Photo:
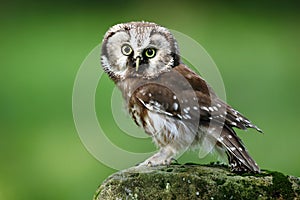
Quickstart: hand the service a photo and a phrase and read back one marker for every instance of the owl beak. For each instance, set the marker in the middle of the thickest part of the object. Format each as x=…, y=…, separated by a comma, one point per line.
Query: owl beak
x=137, y=63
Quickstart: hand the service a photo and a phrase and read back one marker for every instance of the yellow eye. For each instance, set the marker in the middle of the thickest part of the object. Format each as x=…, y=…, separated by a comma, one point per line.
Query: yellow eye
x=126, y=50
x=150, y=53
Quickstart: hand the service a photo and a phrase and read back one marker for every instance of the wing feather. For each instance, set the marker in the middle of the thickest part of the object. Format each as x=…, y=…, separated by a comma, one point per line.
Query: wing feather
x=211, y=106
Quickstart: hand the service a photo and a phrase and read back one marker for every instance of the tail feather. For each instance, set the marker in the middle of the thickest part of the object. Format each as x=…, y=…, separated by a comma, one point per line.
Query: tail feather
x=238, y=157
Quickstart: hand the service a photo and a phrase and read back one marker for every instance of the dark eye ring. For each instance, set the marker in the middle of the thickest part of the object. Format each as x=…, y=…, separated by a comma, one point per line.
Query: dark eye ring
x=126, y=50
x=150, y=52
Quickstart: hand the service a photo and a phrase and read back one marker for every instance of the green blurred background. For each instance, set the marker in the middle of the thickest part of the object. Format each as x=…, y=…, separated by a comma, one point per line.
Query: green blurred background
x=255, y=45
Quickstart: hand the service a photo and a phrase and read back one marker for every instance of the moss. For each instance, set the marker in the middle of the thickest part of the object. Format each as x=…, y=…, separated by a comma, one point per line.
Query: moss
x=295, y=184
x=220, y=181
x=169, y=170
x=281, y=187
x=263, y=173
x=190, y=163
x=161, y=184
x=241, y=188
x=194, y=182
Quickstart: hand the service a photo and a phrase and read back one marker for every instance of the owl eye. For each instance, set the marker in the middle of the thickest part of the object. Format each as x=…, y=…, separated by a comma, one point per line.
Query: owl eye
x=150, y=53
x=126, y=50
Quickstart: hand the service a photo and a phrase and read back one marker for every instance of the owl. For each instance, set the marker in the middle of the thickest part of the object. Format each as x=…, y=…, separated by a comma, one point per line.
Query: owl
x=173, y=104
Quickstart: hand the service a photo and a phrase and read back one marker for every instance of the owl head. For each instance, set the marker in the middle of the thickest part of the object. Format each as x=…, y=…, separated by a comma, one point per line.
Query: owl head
x=138, y=49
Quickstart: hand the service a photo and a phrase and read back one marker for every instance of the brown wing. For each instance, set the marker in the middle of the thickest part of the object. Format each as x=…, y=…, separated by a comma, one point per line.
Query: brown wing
x=183, y=94
x=212, y=107
x=157, y=98
x=219, y=113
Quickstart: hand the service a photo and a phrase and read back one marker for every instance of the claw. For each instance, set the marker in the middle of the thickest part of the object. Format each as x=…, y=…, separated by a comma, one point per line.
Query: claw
x=149, y=164
x=173, y=159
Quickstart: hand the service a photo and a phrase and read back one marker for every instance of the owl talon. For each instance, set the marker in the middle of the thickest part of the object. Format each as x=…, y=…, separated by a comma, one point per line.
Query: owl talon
x=155, y=161
x=173, y=160
x=167, y=162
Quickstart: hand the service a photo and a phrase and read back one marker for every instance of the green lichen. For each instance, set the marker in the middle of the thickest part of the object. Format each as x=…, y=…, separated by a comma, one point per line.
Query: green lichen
x=195, y=182
x=281, y=187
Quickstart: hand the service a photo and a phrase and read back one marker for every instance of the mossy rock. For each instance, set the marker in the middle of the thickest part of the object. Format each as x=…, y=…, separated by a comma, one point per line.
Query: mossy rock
x=191, y=181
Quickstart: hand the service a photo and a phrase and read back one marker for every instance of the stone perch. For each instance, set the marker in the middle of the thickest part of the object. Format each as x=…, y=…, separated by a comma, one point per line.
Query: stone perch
x=192, y=181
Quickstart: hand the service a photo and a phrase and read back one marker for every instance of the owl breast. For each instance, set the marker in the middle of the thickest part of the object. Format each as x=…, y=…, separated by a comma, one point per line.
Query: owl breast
x=164, y=129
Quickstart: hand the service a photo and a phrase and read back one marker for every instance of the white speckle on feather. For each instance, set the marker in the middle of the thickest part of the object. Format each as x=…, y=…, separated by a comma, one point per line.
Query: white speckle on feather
x=175, y=106
x=188, y=116
x=247, y=121
x=179, y=116
x=204, y=108
x=185, y=110
x=211, y=109
x=232, y=148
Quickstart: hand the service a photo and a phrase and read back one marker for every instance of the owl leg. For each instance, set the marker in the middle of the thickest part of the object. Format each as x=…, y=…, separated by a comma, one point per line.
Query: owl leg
x=163, y=157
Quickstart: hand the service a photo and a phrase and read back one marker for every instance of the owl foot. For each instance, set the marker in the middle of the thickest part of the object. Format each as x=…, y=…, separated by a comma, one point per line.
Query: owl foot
x=152, y=162
x=174, y=161
x=163, y=157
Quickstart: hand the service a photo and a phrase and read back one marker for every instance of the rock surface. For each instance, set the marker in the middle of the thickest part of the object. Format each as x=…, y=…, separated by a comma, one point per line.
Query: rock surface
x=191, y=181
